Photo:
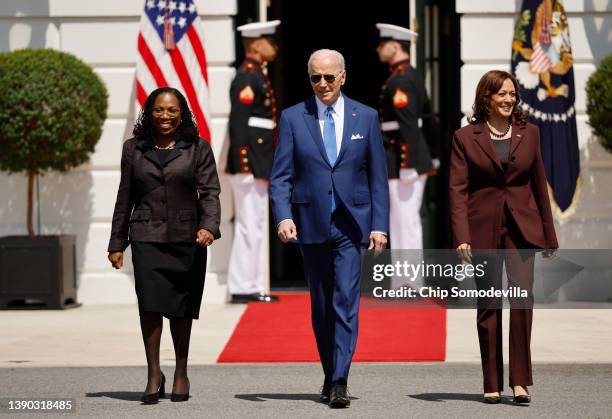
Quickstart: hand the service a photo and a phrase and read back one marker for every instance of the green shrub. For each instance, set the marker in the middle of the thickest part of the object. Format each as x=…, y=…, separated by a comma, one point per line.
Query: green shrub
x=51, y=114
x=599, y=102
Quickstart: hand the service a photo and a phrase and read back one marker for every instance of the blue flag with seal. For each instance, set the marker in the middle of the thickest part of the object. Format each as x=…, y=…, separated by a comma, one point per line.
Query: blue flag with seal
x=542, y=62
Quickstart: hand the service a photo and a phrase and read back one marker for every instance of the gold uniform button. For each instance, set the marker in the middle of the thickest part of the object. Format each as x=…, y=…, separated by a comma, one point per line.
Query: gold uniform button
x=260, y=141
x=392, y=141
x=402, y=155
x=403, y=147
x=243, y=151
x=245, y=160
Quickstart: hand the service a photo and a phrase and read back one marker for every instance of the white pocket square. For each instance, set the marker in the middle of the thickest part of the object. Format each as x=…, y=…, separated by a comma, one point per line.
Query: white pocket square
x=356, y=137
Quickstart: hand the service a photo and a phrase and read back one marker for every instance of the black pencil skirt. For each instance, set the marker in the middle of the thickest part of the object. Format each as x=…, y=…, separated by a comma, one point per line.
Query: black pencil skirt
x=169, y=278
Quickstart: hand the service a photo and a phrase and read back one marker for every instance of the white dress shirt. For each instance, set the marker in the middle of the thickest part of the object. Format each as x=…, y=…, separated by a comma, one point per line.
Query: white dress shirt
x=338, y=116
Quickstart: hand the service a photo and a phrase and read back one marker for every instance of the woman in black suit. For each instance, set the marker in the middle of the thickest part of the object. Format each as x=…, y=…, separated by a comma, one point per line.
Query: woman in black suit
x=168, y=209
x=499, y=200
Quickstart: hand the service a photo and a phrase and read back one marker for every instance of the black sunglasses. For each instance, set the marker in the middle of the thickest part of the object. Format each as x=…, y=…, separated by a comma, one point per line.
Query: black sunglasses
x=329, y=78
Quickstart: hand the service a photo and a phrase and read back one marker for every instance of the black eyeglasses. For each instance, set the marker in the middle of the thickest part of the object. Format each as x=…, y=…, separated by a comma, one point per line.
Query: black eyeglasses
x=329, y=78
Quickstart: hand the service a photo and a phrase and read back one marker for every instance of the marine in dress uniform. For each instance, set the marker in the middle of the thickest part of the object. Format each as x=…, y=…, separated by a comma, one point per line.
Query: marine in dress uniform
x=252, y=129
x=403, y=108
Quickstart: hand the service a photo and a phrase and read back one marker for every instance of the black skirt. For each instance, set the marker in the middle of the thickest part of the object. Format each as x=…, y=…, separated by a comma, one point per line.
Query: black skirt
x=169, y=278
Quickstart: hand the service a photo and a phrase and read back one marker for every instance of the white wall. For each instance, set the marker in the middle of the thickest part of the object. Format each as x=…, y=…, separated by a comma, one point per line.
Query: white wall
x=486, y=36
x=103, y=34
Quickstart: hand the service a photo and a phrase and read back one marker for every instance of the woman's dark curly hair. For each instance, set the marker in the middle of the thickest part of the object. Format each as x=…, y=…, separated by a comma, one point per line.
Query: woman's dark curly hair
x=488, y=85
x=187, y=129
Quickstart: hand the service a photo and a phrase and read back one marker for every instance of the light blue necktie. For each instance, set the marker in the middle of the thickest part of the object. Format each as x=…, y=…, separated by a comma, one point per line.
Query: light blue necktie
x=329, y=139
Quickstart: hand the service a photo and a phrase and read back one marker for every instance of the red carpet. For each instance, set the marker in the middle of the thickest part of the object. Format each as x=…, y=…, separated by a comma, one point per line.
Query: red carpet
x=388, y=332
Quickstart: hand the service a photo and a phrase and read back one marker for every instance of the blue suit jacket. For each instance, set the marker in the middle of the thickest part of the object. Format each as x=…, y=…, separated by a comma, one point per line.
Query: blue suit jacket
x=302, y=177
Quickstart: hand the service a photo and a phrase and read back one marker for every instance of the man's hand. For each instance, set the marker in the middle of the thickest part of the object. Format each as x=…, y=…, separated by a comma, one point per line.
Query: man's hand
x=378, y=242
x=464, y=250
x=287, y=231
x=116, y=259
x=204, y=237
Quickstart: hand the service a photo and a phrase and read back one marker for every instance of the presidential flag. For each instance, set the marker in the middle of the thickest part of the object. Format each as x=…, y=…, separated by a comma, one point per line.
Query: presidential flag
x=170, y=53
x=542, y=62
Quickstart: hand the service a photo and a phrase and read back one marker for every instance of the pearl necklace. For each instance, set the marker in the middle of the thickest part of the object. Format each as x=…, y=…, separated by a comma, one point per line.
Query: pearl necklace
x=168, y=147
x=495, y=134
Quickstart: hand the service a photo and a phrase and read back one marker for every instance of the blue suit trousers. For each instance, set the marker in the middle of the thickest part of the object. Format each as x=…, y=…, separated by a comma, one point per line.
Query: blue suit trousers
x=333, y=270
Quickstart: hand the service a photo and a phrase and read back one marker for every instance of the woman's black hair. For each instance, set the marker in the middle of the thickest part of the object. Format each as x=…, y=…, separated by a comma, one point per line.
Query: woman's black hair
x=187, y=129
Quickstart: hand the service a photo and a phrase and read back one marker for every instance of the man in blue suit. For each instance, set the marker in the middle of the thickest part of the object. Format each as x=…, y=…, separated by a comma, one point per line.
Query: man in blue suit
x=330, y=194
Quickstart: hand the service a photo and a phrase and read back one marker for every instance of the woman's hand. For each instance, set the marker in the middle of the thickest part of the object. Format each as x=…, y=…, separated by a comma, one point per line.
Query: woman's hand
x=204, y=237
x=116, y=259
x=464, y=250
x=549, y=253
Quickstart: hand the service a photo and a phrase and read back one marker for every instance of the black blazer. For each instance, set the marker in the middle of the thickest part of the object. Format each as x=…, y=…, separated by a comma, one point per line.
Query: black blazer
x=165, y=203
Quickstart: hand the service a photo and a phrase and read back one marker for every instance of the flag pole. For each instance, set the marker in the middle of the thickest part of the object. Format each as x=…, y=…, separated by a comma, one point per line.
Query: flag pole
x=263, y=17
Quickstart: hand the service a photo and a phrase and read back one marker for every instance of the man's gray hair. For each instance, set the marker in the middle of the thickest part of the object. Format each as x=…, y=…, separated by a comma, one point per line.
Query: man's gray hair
x=324, y=53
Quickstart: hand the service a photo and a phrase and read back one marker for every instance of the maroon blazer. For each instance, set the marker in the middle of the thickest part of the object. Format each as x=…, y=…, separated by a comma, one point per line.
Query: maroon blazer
x=479, y=187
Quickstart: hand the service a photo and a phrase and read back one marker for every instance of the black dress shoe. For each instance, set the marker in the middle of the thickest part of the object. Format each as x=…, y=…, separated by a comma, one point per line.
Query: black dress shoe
x=339, y=397
x=265, y=298
x=325, y=391
x=153, y=398
x=522, y=398
x=240, y=298
x=253, y=298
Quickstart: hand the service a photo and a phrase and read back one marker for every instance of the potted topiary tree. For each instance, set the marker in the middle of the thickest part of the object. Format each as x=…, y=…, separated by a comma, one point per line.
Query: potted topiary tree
x=599, y=102
x=51, y=118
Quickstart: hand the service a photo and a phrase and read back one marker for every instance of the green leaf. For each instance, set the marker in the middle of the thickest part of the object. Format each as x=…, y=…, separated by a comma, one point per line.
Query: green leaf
x=53, y=110
x=599, y=102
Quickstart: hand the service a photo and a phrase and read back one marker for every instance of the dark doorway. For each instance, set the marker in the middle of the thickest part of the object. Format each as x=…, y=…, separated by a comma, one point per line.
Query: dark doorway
x=349, y=27
x=346, y=26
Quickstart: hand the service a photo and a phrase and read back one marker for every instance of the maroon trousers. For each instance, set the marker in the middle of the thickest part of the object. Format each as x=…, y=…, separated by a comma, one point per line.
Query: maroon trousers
x=518, y=260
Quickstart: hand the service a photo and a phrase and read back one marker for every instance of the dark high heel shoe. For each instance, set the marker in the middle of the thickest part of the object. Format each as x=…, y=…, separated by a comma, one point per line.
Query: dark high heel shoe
x=179, y=397
x=175, y=397
x=153, y=398
x=522, y=398
x=492, y=399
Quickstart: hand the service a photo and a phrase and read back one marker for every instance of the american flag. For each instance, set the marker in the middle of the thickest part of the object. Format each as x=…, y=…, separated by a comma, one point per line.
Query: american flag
x=540, y=62
x=170, y=53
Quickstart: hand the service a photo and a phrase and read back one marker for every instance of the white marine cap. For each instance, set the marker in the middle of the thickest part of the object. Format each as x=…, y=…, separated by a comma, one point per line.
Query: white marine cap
x=396, y=32
x=258, y=29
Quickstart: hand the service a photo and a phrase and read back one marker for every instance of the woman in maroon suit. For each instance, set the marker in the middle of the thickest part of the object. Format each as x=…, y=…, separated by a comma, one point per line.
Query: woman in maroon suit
x=499, y=200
